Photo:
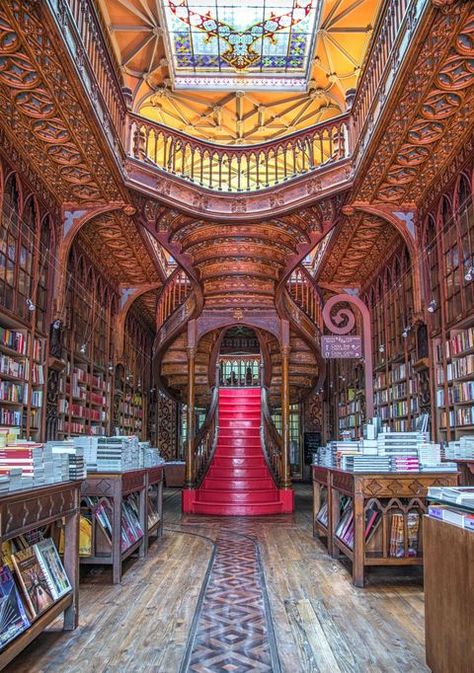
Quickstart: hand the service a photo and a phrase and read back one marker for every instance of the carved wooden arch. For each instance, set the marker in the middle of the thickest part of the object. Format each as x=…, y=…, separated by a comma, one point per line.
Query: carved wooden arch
x=206, y=324
x=388, y=213
x=128, y=297
x=74, y=218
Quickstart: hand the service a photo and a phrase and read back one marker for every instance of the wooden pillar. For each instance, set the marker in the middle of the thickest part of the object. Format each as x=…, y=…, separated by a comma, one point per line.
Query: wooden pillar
x=285, y=404
x=189, y=474
x=189, y=478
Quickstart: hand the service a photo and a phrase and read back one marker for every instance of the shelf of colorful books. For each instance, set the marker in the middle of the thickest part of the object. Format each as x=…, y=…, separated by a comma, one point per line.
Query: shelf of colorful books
x=116, y=506
x=376, y=519
x=35, y=582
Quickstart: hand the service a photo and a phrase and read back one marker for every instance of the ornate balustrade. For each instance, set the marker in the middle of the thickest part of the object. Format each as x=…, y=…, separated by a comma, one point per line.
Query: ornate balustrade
x=272, y=441
x=305, y=293
x=206, y=440
x=88, y=41
x=239, y=370
x=389, y=44
x=238, y=168
x=173, y=295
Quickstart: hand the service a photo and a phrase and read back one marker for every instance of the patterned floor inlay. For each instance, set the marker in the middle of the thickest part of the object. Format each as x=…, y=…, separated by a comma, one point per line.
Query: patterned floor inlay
x=233, y=631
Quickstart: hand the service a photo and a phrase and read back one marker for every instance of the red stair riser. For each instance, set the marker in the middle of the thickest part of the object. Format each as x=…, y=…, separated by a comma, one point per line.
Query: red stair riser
x=237, y=472
x=239, y=432
x=247, y=497
x=256, y=509
x=239, y=424
x=235, y=484
x=242, y=461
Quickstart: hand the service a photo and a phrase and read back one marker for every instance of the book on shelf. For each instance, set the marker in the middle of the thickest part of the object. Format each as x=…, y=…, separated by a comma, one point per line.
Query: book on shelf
x=53, y=568
x=398, y=537
x=13, y=617
x=32, y=581
x=322, y=515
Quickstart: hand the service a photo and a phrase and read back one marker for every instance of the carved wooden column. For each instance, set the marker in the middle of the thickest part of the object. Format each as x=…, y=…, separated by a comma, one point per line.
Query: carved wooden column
x=189, y=478
x=285, y=404
x=189, y=474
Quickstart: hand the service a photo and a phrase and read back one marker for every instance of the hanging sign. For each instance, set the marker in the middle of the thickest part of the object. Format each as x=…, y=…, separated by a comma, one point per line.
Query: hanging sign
x=335, y=346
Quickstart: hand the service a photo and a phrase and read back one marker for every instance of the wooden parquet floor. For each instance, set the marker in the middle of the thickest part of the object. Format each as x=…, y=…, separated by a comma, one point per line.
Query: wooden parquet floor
x=234, y=595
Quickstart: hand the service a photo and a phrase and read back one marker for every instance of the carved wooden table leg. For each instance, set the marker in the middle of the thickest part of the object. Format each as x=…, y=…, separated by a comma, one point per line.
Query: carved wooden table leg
x=359, y=534
x=117, y=535
x=71, y=565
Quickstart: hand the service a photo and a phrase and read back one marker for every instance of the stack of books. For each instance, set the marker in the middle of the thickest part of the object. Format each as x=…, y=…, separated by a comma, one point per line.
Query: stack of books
x=405, y=464
x=73, y=456
x=362, y=463
x=463, y=449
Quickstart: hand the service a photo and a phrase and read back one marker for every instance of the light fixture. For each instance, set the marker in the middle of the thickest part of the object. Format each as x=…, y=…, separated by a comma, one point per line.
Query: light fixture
x=111, y=367
x=405, y=332
x=57, y=324
x=432, y=306
x=31, y=306
x=469, y=275
x=382, y=348
x=83, y=348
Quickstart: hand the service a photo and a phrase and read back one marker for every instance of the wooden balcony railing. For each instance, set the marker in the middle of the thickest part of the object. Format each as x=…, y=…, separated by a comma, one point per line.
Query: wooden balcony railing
x=239, y=371
x=272, y=441
x=173, y=295
x=305, y=293
x=238, y=168
x=389, y=43
x=99, y=52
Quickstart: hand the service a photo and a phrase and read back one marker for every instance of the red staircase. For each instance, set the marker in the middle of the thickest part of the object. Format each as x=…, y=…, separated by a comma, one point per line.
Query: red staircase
x=239, y=482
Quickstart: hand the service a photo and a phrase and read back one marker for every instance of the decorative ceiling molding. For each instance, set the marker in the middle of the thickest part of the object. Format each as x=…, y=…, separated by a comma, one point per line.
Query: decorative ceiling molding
x=43, y=113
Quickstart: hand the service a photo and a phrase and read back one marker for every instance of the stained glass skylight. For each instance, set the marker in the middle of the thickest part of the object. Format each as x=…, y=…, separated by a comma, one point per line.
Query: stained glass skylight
x=253, y=44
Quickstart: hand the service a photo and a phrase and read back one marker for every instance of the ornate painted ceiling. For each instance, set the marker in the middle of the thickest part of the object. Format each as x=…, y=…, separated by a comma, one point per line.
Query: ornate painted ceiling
x=242, y=116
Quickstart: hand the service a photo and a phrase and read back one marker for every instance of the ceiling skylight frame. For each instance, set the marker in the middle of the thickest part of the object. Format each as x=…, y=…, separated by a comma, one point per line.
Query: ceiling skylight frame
x=232, y=79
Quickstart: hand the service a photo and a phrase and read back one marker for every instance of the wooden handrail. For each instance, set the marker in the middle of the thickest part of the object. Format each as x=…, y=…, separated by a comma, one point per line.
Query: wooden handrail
x=305, y=292
x=238, y=168
x=205, y=442
x=174, y=293
x=272, y=441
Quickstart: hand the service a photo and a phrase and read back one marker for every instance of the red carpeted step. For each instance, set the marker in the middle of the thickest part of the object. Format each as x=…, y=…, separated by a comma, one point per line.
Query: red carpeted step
x=238, y=482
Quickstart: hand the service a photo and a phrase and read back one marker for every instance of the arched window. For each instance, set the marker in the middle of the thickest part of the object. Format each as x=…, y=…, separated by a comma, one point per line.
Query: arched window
x=10, y=216
x=431, y=268
x=44, y=271
x=26, y=257
x=452, y=262
x=465, y=215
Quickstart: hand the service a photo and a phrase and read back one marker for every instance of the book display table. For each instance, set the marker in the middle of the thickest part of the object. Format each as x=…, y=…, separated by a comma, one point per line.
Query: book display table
x=26, y=510
x=375, y=519
x=466, y=469
x=174, y=474
x=115, y=487
x=111, y=546
x=449, y=608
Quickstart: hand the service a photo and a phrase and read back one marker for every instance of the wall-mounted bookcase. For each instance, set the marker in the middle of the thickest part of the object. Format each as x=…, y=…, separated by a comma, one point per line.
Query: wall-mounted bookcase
x=454, y=383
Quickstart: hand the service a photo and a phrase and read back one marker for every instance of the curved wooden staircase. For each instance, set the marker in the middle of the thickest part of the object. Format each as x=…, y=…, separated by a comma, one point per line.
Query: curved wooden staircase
x=238, y=481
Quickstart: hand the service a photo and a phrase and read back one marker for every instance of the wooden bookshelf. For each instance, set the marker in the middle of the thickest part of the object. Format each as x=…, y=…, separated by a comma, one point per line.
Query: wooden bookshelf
x=387, y=494
x=26, y=510
x=116, y=487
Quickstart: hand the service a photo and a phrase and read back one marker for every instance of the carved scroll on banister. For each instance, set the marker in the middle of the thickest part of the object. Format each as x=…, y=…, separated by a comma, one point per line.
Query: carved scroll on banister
x=224, y=168
x=175, y=322
x=272, y=442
